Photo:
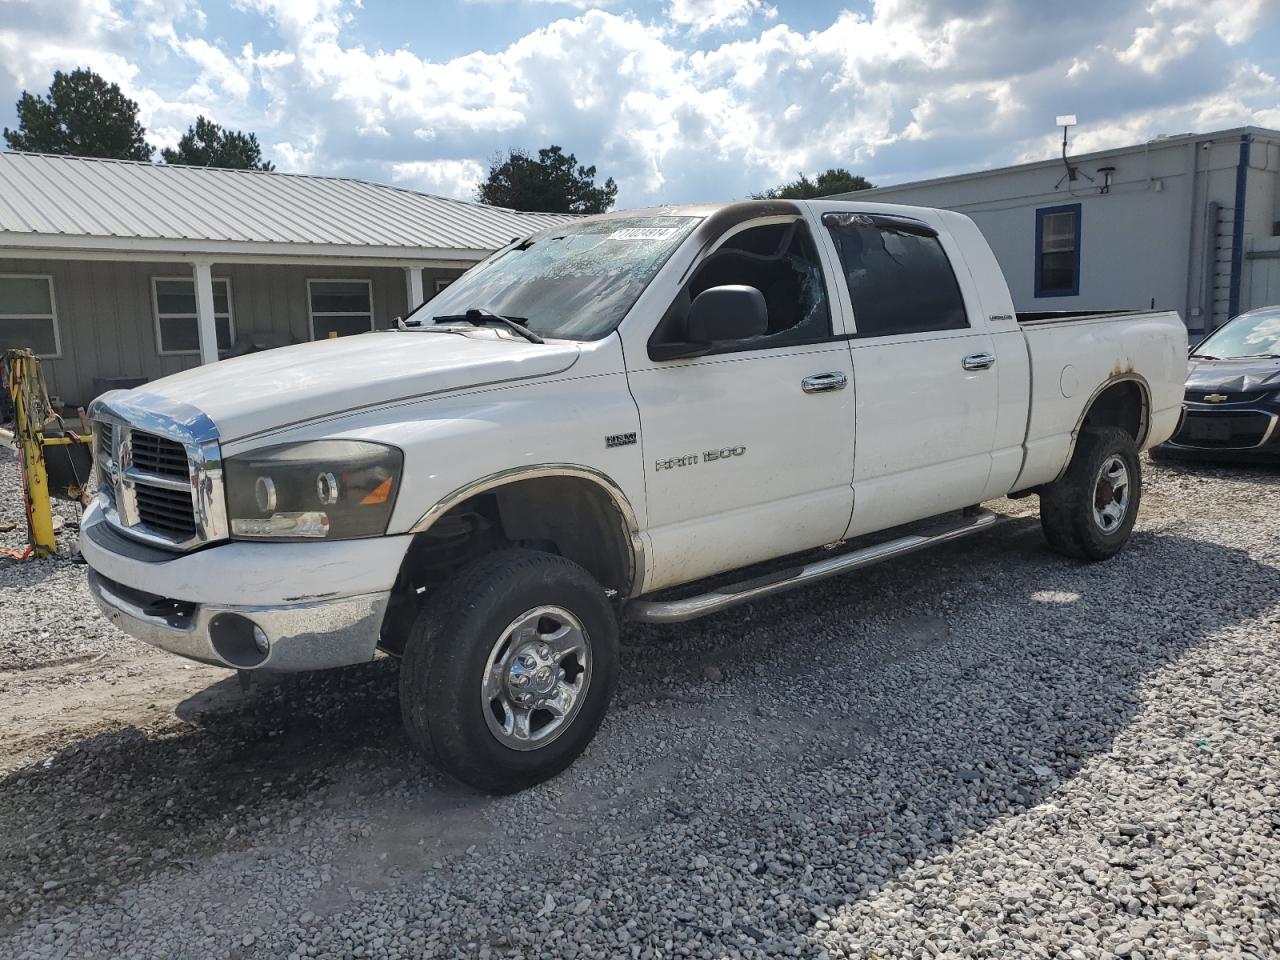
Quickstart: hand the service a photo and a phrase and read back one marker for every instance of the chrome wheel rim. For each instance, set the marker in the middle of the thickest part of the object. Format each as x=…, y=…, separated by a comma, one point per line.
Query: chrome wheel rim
x=536, y=678
x=1111, y=494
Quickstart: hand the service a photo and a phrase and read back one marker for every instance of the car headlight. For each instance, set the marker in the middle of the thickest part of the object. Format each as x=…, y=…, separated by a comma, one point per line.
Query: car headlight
x=320, y=489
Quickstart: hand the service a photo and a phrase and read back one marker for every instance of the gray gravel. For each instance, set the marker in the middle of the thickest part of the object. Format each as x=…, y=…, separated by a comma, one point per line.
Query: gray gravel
x=46, y=612
x=982, y=751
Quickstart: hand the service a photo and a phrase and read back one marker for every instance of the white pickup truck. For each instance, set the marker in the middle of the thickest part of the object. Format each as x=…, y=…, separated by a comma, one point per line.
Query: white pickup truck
x=654, y=414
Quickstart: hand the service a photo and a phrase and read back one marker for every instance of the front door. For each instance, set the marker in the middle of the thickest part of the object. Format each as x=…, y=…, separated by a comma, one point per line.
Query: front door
x=748, y=450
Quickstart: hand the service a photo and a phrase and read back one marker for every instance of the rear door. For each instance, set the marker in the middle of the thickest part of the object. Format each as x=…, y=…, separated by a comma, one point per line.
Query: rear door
x=924, y=363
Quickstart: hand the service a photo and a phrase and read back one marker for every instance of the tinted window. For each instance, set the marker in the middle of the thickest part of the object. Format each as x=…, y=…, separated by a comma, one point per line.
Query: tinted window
x=900, y=280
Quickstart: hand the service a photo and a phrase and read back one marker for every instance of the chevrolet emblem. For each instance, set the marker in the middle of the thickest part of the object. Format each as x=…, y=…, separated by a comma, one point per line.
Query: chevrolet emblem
x=1214, y=397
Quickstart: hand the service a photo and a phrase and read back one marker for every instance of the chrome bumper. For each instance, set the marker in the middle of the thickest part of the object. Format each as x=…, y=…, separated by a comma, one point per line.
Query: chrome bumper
x=313, y=635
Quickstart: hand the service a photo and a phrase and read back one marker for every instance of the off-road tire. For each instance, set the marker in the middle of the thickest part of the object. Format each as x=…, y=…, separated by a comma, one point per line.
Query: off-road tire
x=448, y=648
x=1067, y=504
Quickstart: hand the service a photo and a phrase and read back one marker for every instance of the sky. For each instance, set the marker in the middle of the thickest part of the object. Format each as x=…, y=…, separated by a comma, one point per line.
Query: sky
x=677, y=100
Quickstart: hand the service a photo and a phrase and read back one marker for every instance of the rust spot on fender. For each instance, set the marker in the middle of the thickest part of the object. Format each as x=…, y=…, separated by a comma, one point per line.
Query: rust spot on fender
x=1123, y=368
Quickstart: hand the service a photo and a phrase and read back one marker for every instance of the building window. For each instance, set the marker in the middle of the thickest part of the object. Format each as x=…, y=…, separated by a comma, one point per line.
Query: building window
x=340, y=308
x=177, y=324
x=28, y=319
x=441, y=284
x=1058, y=251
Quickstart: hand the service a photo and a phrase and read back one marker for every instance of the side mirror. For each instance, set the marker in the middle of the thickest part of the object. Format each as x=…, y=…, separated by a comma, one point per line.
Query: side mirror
x=732, y=312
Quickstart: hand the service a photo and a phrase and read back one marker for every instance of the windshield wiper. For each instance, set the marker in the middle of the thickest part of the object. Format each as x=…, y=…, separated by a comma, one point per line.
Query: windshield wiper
x=479, y=318
x=1203, y=356
x=1261, y=356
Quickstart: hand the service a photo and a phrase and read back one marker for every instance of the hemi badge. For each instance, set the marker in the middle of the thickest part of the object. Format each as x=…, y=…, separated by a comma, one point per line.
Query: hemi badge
x=620, y=440
x=1214, y=397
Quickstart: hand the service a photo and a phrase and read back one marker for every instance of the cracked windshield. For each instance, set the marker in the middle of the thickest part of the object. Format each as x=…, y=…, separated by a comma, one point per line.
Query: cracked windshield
x=575, y=282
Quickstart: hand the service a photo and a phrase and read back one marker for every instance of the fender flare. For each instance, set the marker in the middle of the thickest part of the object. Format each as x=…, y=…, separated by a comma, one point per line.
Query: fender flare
x=1144, y=416
x=622, y=505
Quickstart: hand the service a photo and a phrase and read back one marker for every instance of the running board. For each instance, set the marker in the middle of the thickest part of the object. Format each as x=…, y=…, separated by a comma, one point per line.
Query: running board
x=722, y=598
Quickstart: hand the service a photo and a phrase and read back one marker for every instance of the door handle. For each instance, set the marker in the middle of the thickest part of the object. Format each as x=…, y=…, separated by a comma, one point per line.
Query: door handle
x=824, y=382
x=978, y=361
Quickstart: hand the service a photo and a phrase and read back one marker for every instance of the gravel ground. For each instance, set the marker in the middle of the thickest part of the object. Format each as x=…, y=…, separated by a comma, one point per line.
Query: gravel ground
x=985, y=750
x=47, y=614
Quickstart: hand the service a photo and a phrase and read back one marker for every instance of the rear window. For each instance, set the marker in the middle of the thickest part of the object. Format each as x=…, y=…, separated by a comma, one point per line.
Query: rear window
x=899, y=278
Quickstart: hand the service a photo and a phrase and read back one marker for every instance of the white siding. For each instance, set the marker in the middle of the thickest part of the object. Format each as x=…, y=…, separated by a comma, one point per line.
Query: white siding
x=107, y=324
x=1146, y=241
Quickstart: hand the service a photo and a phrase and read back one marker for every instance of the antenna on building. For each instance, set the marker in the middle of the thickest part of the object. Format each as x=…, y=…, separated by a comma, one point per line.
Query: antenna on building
x=1066, y=121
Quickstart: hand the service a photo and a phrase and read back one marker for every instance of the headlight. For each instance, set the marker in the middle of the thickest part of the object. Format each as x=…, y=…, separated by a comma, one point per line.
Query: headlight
x=322, y=489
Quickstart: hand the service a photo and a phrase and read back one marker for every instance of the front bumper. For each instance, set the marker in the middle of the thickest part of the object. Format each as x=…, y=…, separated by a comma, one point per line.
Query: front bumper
x=316, y=605
x=299, y=636
x=1226, y=432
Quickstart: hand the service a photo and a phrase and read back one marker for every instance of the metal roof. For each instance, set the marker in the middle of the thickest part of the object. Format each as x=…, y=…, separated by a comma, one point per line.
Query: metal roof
x=76, y=203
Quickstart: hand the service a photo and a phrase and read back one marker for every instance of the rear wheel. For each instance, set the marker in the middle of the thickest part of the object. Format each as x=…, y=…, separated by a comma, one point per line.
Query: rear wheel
x=1089, y=513
x=507, y=674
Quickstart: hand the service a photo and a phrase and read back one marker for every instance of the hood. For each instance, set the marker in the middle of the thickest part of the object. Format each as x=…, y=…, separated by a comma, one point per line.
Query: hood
x=1233, y=376
x=275, y=388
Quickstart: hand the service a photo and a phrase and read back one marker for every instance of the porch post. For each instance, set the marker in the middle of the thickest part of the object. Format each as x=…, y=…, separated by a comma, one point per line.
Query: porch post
x=413, y=287
x=202, y=271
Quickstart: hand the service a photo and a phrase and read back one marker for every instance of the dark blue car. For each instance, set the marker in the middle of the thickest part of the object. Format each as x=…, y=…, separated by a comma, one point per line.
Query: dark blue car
x=1233, y=392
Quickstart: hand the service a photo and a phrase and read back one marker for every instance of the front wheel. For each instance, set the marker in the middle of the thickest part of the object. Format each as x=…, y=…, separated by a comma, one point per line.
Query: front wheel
x=1089, y=512
x=508, y=673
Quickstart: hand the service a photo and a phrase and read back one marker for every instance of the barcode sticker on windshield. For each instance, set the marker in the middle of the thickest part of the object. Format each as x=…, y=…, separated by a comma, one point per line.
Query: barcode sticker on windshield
x=644, y=233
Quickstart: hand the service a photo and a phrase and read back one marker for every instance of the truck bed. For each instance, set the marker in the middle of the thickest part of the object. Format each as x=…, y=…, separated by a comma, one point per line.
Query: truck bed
x=1074, y=354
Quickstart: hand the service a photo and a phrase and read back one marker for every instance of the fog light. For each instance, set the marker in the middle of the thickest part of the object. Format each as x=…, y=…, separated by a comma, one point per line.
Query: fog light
x=239, y=641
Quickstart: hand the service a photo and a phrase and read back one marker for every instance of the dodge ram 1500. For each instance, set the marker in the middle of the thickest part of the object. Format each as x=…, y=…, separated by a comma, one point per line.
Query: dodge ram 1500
x=654, y=414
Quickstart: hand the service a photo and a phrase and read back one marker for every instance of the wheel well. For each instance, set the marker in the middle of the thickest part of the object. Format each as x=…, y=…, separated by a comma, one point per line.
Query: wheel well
x=569, y=516
x=1121, y=404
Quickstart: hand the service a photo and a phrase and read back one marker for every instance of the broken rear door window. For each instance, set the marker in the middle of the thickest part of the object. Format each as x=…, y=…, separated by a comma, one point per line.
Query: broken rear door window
x=900, y=280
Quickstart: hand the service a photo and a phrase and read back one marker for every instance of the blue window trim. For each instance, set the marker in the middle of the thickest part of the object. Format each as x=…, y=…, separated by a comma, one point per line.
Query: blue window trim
x=1043, y=212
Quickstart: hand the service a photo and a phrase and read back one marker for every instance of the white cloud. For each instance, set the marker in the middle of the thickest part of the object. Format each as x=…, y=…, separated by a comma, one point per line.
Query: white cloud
x=573, y=4
x=1178, y=27
x=701, y=16
x=1247, y=98
x=219, y=74
x=451, y=178
x=1078, y=68
x=665, y=105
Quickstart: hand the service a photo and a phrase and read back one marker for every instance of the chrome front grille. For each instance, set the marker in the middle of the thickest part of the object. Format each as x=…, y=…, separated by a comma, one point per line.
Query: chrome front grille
x=169, y=511
x=103, y=434
x=160, y=471
x=158, y=455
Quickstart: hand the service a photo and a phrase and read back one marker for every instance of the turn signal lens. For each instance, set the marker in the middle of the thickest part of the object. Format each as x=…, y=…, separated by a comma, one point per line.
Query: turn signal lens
x=379, y=494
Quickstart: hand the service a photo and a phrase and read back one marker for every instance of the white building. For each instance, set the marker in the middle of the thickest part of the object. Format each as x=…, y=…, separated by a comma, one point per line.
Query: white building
x=117, y=272
x=1189, y=222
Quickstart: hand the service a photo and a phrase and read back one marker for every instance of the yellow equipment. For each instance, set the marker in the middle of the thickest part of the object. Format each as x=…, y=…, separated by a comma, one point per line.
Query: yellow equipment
x=35, y=428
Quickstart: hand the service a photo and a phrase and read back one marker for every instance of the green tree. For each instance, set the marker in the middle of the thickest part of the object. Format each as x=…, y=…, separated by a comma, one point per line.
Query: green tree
x=83, y=116
x=834, y=180
x=553, y=183
x=208, y=145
